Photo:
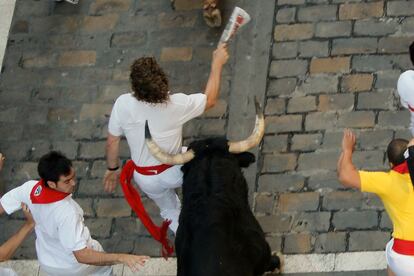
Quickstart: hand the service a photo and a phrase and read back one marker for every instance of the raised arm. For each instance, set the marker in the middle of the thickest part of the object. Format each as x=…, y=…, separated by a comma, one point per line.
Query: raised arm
x=10, y=246
x=111, y=177
x=92, y=257
x=2, y=159
x=410, y=159
x=348, y=175
x=220, y=57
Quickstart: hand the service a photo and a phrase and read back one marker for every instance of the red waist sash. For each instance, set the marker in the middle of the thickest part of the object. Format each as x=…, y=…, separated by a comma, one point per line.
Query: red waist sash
x=403, y=247
x=133, y=198
x=152, y=170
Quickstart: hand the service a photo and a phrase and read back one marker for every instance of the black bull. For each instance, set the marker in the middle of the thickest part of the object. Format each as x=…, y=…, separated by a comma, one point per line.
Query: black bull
x=218, y=233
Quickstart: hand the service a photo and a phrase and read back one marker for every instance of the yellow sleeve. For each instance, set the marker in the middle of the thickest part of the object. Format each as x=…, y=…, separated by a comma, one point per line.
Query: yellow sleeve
x=375, y=182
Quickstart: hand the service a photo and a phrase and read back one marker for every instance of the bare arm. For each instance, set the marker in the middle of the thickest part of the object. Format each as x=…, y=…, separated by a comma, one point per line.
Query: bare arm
x=92, y=257
x=220, y=57
x=10, y=246
x=410, y=159
x=112, y=161
x=2, y=158
x=2, y=211
x=348, y=175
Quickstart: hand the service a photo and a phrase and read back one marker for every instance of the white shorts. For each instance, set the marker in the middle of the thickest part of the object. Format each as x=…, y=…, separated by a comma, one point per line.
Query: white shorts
x=7, y=272
x=81, y=270
x=401, y=265
x=161, y=189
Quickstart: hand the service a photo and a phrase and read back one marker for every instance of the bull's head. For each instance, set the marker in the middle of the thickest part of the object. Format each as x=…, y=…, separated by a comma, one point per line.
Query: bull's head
x=233, y=147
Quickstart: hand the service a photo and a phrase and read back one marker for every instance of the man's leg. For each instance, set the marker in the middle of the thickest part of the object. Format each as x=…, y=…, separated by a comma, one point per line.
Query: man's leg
x=170, y=207
x=161, y=190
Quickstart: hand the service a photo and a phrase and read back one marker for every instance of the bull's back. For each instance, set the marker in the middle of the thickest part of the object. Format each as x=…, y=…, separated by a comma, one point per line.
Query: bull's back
x=212, y=238
x=211, y=252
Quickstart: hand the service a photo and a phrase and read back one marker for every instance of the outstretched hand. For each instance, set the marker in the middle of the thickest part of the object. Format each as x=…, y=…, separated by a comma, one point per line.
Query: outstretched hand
x=348, y=141
x=29, y=218
x=134, y=262
x=111, y=179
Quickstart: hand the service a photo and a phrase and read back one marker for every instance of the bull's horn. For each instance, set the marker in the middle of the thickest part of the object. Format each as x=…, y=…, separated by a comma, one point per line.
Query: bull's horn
x=255, y=137
x=163, y=157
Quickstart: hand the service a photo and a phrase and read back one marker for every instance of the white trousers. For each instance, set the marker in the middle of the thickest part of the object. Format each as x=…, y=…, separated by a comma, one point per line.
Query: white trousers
x=401, y=265
x=7, y=272
x=81, y=270
x=161, y=189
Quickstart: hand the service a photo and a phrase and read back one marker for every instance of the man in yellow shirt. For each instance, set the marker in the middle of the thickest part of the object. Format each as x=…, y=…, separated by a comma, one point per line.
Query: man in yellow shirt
x=397, y=194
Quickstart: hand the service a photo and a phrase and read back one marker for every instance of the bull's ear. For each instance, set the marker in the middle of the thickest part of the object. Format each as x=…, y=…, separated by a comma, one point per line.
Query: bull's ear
x=245, y=159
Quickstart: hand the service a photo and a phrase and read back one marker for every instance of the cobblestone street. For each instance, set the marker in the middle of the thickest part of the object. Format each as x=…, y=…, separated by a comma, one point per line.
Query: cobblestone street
x=317, y=66
x=64, y=67
x=334, y=65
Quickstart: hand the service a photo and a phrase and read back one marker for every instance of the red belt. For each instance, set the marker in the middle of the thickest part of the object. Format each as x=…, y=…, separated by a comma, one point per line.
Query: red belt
x=403, y=247
x=133, y=198
x=152, y=170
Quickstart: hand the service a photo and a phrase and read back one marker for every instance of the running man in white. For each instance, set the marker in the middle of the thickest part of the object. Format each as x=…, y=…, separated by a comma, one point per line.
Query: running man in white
x=166, y=113
x=63, y=243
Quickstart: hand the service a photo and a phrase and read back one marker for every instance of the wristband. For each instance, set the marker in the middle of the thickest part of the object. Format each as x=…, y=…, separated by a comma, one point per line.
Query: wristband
x=113, y=169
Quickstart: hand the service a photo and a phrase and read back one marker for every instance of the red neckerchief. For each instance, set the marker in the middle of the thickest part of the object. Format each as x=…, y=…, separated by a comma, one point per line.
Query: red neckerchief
x=410, y=108
x=133, y=198
x=41, y=194
x=401, y=168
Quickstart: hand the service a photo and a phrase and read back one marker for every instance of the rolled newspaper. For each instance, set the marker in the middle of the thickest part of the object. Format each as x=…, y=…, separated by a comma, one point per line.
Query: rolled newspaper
x=238, y=18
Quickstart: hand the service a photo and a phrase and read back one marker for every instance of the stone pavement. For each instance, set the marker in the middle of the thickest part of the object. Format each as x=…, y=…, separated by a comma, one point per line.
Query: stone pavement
x=330, y=264
x=334, y=65
x=64, y=67
x=318, y=66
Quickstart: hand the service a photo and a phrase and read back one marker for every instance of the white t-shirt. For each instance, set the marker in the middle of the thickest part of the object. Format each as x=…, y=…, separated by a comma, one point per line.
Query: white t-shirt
x=60, y=227
x=165, y=122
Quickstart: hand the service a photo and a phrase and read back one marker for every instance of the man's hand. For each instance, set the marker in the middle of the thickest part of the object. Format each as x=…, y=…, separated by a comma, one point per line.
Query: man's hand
x=2, y=159
x=134, y=262
x=91, y=257
x=220, y=55
x=348, y=141
x=29, y=218
x=111, y=179
x=348, y=175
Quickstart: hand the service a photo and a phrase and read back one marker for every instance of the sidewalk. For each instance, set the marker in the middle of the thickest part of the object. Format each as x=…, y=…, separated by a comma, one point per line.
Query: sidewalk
x=7, y=9
x=344, y=264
